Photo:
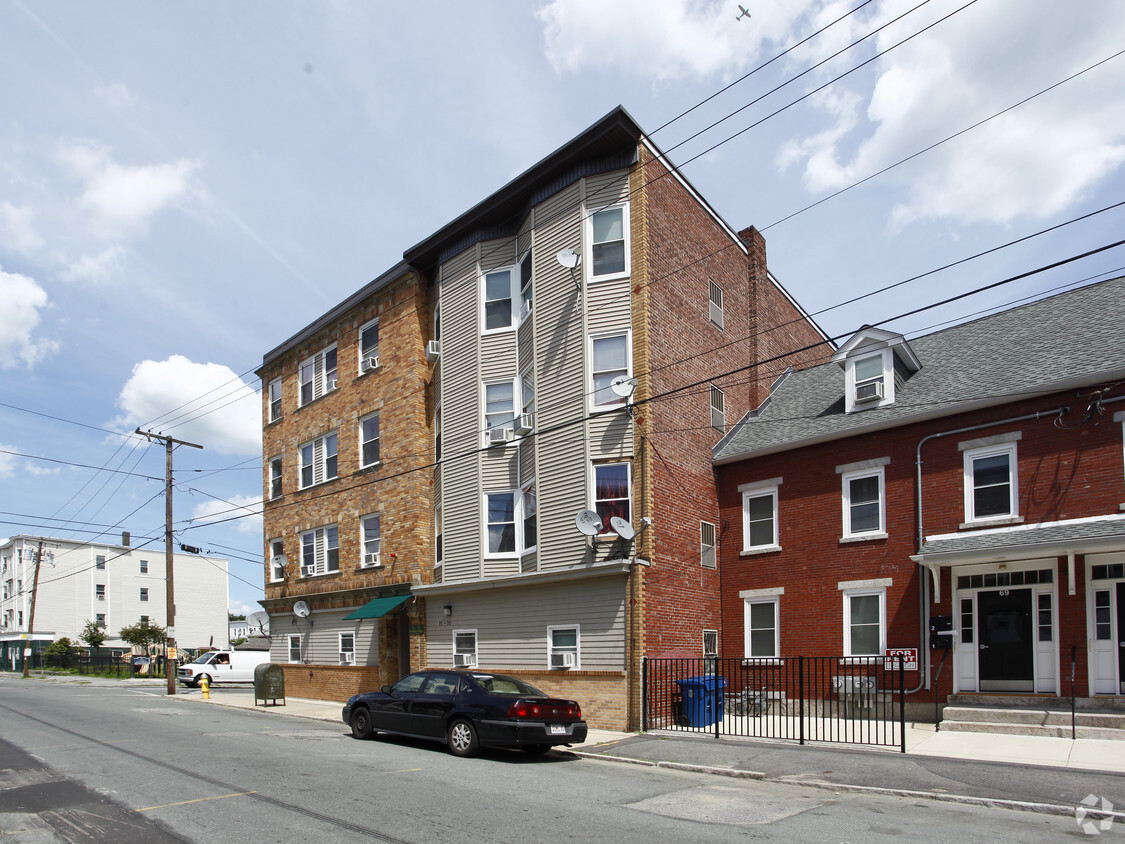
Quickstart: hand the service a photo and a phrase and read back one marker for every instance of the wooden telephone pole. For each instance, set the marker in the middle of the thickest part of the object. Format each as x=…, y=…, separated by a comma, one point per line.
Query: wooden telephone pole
x=170, y=643
x=31, y=612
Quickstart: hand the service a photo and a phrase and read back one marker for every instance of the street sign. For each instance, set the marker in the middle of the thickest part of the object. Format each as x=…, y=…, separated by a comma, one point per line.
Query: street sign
x=908, y=656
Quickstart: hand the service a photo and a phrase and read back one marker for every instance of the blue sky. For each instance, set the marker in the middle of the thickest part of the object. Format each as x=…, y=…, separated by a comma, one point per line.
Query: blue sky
x=183, y=186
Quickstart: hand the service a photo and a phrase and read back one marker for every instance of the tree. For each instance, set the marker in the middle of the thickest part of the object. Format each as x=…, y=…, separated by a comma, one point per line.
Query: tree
x=143, y=633
x=93, y=634
x=232, y=617
x=60, y=647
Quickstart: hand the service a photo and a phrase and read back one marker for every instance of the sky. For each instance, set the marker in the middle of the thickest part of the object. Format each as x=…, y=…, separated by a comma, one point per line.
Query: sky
x=184, y=186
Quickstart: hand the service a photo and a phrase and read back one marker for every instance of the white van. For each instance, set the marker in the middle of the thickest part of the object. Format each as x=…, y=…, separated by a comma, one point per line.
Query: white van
x=223, y=667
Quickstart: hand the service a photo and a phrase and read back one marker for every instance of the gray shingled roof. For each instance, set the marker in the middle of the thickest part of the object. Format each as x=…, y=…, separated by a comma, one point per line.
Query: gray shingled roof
x=1033, y=535
x=1060, y=342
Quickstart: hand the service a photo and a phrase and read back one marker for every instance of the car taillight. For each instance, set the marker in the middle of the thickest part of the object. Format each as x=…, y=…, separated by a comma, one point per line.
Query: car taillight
x=548, y=711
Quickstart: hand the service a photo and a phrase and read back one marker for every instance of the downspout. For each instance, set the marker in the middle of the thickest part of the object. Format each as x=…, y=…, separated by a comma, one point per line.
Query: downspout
x=923, y=605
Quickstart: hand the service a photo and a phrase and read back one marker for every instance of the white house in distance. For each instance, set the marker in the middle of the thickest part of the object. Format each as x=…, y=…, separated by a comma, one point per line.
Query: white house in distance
x=115, y=585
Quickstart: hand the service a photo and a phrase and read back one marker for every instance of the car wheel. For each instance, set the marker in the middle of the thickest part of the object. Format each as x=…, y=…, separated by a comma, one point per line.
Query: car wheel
x=462, y=738
x=536, y=749
x=361, y=724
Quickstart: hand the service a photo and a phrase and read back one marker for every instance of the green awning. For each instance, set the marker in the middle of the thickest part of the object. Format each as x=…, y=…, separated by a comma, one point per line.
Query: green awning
x=377, y=608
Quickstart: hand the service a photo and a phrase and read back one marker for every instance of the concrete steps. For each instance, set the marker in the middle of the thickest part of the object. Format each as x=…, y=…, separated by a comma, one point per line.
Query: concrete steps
x=1034, y=720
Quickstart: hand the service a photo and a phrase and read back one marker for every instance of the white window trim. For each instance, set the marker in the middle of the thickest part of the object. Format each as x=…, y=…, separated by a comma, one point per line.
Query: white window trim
x=606, y=529
x=759, y=491
x=289, y=649
x=320, y=550
x=517, y=524
x=846, y=478
x=277, y=573
x=476, y=644
x=551, y=649
x=524, y=307
x=588, y=259
x=513, y=271
x=715, y=309
x=511, y=423
x=521, y=528
x=340, y=642
x=1008, y=448
x=363, y=539
x=751, y=600
x=359, y=345
x=378, y=461
x=704, y=547
x=850, y=404
x=319, y=375
x=276, y=382
x=279, y=477
x=619, y=402
x=439, y=539
x=321, y=464
x=848, y=594
x=721, y=411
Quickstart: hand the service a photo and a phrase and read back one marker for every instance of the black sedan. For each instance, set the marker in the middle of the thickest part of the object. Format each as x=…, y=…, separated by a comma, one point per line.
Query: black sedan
x=467, y=710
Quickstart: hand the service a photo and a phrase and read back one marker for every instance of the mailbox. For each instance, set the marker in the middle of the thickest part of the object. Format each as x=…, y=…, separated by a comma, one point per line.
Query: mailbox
x=269, y=684
x=941, y=632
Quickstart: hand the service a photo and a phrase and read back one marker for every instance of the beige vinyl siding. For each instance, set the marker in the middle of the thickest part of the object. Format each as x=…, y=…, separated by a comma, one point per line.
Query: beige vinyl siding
x=607, y=189
x=499, y=468
x=497, y=359
x=609, y=306
x=611, y=435
x=512, y=624
x=320, y=641
x=564, y=207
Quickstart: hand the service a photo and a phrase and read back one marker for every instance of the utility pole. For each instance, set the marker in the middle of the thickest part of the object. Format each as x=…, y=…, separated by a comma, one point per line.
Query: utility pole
x=31, y=611
x=169, y=583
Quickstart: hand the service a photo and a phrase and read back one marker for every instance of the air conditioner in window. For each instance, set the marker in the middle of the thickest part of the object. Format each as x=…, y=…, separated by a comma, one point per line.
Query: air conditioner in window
x=308, y=571
x=464, y=661
x=871, y=391
x=525, y=309
x=331, y=384
x=525, y=424
x=369, y=364
x=497, y=436
x=433, y=350
x=347, y=658
x=562, y=660
x=371, y=559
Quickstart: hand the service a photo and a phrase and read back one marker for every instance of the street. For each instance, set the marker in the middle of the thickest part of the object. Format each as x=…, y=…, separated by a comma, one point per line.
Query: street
x=210, y=773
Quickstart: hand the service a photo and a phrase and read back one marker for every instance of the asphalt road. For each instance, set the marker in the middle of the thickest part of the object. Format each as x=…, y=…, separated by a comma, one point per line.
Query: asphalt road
x=180, y=768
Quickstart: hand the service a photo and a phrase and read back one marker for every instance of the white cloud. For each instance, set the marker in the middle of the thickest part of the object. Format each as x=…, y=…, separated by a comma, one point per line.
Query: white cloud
x=7, y=461
x=21, y=302
x=236, y=507
x=95, y=268
x=203, y=403
x=17, y=229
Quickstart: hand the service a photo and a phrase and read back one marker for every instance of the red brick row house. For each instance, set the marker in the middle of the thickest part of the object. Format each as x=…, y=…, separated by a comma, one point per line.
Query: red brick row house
x=969, y=480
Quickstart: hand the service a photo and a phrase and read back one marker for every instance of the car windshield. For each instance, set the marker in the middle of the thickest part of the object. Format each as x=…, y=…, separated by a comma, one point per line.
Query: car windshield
x=206, y=658
x=501, y=684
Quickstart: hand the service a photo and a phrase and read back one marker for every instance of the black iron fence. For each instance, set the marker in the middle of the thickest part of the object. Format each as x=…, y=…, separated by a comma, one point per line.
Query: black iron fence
x=851, y=700
x=113, y=665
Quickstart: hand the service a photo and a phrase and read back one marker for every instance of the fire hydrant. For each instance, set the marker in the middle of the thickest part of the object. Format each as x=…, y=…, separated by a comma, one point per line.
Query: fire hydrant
x=205, y=684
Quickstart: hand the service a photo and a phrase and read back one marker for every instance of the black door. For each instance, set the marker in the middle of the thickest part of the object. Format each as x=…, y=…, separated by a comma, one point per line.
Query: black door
x=1006, y=640
x=1121, y=637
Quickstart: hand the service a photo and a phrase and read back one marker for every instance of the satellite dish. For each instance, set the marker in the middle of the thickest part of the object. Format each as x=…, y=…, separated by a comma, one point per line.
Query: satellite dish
x=568, y=258
x=301, y=609
x=258, y=620
x=279, y=560
x=622, y=528
x=588, y=522
x=623, y=385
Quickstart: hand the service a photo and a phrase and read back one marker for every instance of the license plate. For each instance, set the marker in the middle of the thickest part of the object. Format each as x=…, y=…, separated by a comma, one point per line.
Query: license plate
x=558, y=729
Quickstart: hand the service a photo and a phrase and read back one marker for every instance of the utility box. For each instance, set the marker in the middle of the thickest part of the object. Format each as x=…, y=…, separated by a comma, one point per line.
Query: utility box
x=269, y=684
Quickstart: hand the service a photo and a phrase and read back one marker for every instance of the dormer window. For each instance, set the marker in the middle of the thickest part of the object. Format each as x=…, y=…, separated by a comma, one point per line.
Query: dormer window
x=875, y=363
x=869, y=379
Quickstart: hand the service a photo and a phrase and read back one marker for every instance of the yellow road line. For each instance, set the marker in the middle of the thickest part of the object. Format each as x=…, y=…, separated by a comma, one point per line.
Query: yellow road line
x=200, y=800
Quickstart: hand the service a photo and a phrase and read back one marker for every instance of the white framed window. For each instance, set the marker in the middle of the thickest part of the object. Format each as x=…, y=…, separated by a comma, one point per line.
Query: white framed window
x=863, y=503
x=528, y=513
x=437, y=537
x=144, y=566
x=99, y=562
x=371, y=530
x=500, y=523
x=527, y=397
x=465, y=648
x=99, y=619
x=564, y=647
x=500, y=298
x=609, y=252
x=347, y=648
x=761, y=629
x=718, y=409
x=275, y=399
x=316, y=376
x=869, y=380
x=320, y=551
x=708, y=545
x=715, y=303
x=610, y=357
x=499, y=405
x=276, y=475
x=144, y=593
x=991, y=483
x=526, y=286
x=368, y=343
x=612, y=485
x=277, y=555
x=760, y=527
x=294, y=648
x=865, y=622
x=99, y=591
x=369, y=440
x=318, y=460
x=144, y=620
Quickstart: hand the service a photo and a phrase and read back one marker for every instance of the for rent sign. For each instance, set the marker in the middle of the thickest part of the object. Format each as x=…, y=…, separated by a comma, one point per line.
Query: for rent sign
x=908, y=656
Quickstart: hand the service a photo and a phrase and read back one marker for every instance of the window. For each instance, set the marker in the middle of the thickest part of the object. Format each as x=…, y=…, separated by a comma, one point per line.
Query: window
x=99, y=562
x=275, y=477
x=864, y=623
x=99, y=619
x=525, y=286
x=437, y=537
x=320, y=551
x=528, y=511
x=465, y=648
x=144, y=566
x=607, y=238
x=707, y=545
x=760, y=620
x=499, y=299
x=611, y=492
x=437, y=433
x=294, y=647
x=275, y=399
x=759, y=516
x=1043, y=617
x=990, y=483
x=144, y=620
x=863, y=503
x=527, y=396
x=609, y=359
x=369, y=440
x=715, y=304
x=718, y=409
x=500, y=523
x=317, y=376
x=368, y=343
x=869, y=378
x=371, y=538
x=347, y=648
x=563, y=647
x=144, y=593
x=318, y=461
x=99, y=591
x=277, y=560
x=499, y=404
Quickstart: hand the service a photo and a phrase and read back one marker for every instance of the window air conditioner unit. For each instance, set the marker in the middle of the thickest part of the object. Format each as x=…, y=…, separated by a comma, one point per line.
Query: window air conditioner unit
x=433, y=350
x=371, y=559
x=498, y=436
x=562, y=660
x=871, y=391
x=525, y=309
x=369, y=364
x=464, y=661
x=331, y=384
x=308, y=571
x=347, y=658
x=525, y=424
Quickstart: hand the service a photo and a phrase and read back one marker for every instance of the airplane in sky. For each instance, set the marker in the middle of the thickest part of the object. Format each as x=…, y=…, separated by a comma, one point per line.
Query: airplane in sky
x=745, y=14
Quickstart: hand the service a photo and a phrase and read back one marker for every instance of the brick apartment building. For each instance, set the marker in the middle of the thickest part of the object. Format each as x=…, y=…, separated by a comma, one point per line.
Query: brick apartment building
x=577, y=342
x=971, y=479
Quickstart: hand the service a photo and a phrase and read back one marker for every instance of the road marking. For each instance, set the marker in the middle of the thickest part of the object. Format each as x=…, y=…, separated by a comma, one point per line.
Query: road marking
x=80, y=744
x=200, y=800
